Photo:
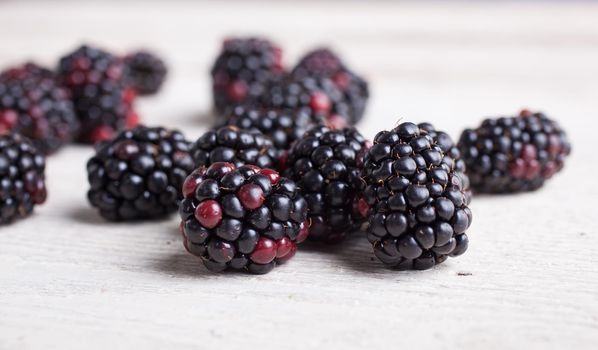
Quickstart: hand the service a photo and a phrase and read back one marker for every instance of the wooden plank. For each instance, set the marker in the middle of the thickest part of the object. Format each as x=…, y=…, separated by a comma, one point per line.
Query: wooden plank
x=70, y=280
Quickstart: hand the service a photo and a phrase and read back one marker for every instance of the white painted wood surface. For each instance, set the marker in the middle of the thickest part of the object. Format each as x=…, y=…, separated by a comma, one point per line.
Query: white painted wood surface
x=68, y=280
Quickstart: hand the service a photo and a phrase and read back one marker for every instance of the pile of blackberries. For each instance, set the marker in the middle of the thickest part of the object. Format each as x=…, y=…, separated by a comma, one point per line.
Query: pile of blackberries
x=283, y=162
x=88, y=98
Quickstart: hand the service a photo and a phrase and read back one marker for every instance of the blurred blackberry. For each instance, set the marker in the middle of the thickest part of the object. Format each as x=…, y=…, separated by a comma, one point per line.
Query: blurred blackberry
x=146, y=72
x=104, y=110
x=244, y=218
x=90, y=65
x=283, y=127
x=243, y=69
x=326, y=166
x=234, y=145
x=22, y=179
x=514, y=154
x=323, y=63
x=317, y=97
x=139, y=174
x=98, y=85
x=417, y=199
x=34, y=105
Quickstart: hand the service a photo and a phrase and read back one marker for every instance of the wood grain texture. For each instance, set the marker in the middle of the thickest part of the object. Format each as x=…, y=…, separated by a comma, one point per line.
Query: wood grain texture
x=69, y=280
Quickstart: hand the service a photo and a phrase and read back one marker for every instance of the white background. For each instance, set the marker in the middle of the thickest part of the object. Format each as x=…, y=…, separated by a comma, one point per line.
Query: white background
x=70, y=280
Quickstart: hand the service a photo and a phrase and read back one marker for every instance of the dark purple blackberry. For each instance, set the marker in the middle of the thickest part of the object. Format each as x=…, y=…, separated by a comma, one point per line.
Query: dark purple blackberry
x=244, y=218
x=243, y=69
x=33, y=104
x=234, y=145
x=22, y=179
x=451, y=154
x=514, y=154
x=320, y=62
x=102, y=98
x=317, y=97
x=326, y=166
x=139, y=174
x=417, y=197
x=283, y=127
x=146, y=72
x=104, y=109
x=90, y=65
x=323, y=63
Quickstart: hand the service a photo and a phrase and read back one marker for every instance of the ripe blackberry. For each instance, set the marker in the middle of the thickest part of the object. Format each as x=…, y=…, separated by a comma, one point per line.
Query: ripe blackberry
x=326, y=165
x=243, y=218
x=417, y=197
x=451, y=154
x=234, y=145
x=243, y=69
x=34, y=105
x=22, y=179
x=146, y=72
x=139, y=174
x=514, y=154
x=104, y=109
x=323, y=63
x=90, y=65
x=282, y=126
x=98, y=84
x=317, y=97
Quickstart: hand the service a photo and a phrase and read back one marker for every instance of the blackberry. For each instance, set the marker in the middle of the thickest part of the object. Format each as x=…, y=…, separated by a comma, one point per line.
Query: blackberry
x=146, y=72
x=326, y=165
x=417, y=197
x=22, y=179
x=90, y=65
x=234, y=145
x=282, y=126
x=104, y=109
x=514, y=154
x=242, y=218
x=98, y=84
x=323, y=63
x=243, y=69
x=317, y=97
x=33, y=104
x=139, y=174
x=451, y=154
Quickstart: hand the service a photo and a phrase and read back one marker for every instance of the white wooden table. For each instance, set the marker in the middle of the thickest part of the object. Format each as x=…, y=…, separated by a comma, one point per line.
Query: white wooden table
x=69, y=280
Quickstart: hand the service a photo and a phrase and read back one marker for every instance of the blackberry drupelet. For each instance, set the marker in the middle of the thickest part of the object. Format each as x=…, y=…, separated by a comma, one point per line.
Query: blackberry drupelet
x=323, y=63
x=234, y=145
x=100, y=92
x=33, y=104
x=417, y=197
x=317, y=97
x=146, y=72
x=514, y=154
x=326, y=166
x=22, y=179
x=242, y=218
x=243, y=69
x=282, y=126
x=139, y=174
